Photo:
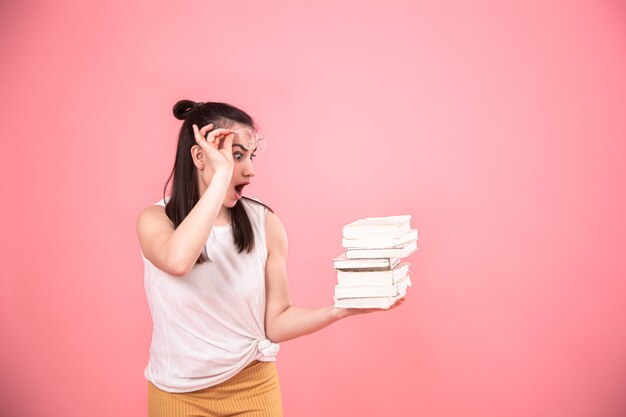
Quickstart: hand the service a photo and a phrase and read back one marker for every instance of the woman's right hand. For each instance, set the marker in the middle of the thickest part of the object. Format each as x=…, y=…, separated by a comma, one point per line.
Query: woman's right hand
x=217, y=147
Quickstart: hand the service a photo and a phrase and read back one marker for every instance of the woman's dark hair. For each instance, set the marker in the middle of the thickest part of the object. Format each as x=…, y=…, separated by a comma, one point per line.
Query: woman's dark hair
x=184, y=178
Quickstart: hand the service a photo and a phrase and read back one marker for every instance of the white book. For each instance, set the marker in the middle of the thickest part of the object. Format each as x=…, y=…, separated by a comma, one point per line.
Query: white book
x=399, y=252
x=379, y=242
x=389, y=277
x=373, y=264
x=390, y=226
x=342, y=291
x=368, y=302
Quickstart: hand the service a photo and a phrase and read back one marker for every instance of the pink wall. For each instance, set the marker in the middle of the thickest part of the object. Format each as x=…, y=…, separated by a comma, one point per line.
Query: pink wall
x=498, y=125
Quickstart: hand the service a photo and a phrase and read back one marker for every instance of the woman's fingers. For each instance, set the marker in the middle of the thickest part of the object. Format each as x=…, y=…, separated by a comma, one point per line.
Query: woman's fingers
x=227, y=142
x=206, y=128
x=212, y=136
x=205, y=143
x=216, y=158
x=196, y=133
x=215, y=135
x=397, y=303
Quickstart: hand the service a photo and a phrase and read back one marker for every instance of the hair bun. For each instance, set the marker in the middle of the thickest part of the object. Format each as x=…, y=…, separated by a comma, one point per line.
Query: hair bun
x=183, y=107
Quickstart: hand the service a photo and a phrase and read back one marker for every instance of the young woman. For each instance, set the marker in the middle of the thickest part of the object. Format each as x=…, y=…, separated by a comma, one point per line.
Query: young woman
x=216, y=278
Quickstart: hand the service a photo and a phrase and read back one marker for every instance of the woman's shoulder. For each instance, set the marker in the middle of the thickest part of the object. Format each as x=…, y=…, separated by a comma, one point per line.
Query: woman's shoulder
x=162, y=202
x=275, y=233
x=251, y=200
x=255, y=205
x=261, y=211
x=155, y=208
x=153, y=214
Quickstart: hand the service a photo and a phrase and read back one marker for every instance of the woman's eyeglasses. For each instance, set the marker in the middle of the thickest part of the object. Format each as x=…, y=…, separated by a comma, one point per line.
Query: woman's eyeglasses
x=250, y=139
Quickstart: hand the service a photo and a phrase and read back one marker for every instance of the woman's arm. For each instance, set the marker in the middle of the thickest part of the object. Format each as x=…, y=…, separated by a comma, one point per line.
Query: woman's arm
x=176, y=251
x=282, y=320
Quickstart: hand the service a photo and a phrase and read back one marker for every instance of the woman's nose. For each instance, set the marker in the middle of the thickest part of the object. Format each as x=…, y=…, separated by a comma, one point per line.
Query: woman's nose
x=248, y=170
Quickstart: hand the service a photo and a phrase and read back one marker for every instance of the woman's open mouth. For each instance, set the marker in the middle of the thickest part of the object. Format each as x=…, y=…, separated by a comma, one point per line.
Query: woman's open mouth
x=239, y=189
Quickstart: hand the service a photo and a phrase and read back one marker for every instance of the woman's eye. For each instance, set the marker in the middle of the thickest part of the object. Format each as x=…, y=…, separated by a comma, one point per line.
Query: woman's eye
x=252, y=156
x=237, y=155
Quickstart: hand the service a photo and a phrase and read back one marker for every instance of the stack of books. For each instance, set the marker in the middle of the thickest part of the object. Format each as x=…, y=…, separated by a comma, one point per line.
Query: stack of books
x=370, y=273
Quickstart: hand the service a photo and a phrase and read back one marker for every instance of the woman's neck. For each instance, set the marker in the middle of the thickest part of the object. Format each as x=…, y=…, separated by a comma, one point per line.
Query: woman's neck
x=223, y=217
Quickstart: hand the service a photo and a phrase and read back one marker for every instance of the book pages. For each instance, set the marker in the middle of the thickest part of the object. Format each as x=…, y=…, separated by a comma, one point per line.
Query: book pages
x=370, y=273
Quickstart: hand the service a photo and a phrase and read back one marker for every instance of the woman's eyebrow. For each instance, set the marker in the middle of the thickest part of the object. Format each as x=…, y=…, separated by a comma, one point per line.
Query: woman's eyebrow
x=243, y=147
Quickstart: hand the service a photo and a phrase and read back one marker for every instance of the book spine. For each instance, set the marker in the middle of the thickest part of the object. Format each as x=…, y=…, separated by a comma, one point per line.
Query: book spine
x=360, y=264
x=370, y=302
x=366, y=291
x=360, y=282
x=375, y=232
x=381, y=275
x=378, y=242
x=373, y=253
x=402, y=252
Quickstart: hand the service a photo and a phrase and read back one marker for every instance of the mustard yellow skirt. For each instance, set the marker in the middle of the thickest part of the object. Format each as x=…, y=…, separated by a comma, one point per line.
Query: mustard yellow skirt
x=254, y=391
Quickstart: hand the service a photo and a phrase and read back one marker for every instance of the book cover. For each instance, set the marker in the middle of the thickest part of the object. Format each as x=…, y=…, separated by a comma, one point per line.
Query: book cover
x=399, y=252
x=372, y=264
x=368, y=302
x=379, y=242
x=343, y=291
x=390, y=226
x=385, y=277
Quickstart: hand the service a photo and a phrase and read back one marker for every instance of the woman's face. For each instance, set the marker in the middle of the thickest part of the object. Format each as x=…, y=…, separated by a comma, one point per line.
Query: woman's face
x=243, y=170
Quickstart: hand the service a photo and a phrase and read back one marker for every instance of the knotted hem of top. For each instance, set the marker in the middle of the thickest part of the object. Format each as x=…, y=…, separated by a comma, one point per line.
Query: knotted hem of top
x=268, y=349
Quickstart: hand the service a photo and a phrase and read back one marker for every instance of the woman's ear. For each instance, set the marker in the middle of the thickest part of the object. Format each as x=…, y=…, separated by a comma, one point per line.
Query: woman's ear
x=197, y=156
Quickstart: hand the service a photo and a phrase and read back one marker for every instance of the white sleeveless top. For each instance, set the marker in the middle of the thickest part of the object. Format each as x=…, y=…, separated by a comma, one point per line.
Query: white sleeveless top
x=210, y=324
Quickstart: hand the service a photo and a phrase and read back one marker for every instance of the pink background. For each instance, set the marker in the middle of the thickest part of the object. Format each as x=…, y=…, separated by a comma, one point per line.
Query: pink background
x=499, y=126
